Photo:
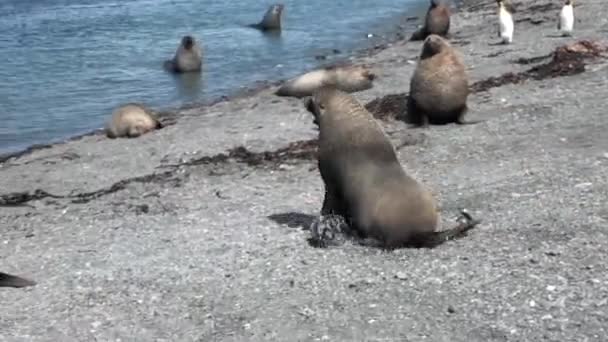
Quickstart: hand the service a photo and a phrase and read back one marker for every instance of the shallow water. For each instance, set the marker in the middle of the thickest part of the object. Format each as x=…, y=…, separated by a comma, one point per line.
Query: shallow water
x=67, y=63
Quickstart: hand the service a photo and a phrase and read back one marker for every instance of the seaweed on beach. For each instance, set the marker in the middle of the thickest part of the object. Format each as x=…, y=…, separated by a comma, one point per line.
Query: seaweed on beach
x=566, y=60
x=393, y=106
x=14, y=199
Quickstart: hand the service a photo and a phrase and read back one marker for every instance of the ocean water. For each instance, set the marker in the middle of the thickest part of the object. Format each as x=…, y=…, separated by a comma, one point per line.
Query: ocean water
x=65, y=64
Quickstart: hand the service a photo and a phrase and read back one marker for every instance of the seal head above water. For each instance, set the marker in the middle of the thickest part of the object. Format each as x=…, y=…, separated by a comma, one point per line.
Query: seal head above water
x=272, y=19
x=187, y=58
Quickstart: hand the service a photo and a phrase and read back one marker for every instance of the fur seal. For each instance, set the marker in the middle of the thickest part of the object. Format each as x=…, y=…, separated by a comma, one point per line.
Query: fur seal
x=8, y=280
x=505, y=21
x=439, y=86
x=131, y=120
x=437, y=21
x=351, y=78
x=272, y=19
x=187, y=58
x=364, y=181
x=565, y=24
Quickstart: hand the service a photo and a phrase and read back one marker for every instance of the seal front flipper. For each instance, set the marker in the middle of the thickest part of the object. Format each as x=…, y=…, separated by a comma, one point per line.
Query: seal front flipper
x=7, y=280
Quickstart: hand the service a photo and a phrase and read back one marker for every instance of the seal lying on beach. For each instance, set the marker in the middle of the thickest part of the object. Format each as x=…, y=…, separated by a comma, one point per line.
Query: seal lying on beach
x=188, y=57
x=437, y=21
x=350, y=79
x=439, y=86
x=8, y=280
x=364, y=181
x=131, y=120
x=271, y=20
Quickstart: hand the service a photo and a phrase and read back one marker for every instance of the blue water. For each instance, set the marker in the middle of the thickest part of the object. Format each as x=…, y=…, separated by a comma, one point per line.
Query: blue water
x=65, y=64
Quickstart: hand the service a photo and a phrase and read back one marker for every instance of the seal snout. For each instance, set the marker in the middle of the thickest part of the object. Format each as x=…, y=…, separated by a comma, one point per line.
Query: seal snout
x=370, y=75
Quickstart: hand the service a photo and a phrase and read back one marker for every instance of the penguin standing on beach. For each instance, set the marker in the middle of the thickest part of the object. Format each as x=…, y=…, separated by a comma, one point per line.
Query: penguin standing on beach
x=565, y=23
x=505, y=21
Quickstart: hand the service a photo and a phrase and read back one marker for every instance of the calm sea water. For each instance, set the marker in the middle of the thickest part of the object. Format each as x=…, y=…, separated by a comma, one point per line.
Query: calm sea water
x=65, y=64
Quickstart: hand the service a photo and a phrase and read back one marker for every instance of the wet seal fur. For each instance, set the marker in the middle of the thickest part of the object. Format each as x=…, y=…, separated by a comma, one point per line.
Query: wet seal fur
x=348, y=78
x=8, y=280
x=437, y=21
x=439, y=86
x=131, y=120
x=271, y=20
x=187, y=58
x=364, y=181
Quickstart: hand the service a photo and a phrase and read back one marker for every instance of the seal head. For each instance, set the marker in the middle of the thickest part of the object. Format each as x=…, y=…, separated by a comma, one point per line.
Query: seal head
x=272, y=19
x=436, y=21
x=187, y=58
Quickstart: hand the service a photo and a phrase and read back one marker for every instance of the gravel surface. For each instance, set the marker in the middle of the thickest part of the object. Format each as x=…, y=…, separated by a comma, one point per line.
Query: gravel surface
x=161, y=241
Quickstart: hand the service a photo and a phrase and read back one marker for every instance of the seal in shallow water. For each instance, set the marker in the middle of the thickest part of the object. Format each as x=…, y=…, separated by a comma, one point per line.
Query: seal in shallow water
x=364, y=181
x=437, y=21
x=188, y=57
x=131, y=120
x=351, y=78
x=271, y=20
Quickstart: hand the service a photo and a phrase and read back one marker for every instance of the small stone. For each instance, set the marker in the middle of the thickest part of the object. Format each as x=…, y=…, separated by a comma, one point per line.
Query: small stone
x=532, y=304
x=583, y=185
x=401, y=276
x=606, y=155
x=546, y=317
x=451, y=309
x=551, y=288
x=369, y=35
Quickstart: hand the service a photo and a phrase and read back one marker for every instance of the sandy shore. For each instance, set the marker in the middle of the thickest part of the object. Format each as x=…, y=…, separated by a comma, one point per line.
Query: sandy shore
x=187, y=234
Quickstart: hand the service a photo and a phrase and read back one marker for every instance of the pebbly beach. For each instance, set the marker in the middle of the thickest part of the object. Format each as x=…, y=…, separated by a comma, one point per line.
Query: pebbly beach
x=198, y=231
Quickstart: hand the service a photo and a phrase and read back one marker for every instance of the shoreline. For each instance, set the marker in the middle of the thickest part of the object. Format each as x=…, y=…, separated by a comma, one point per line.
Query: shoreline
x=369, y=48
x=198, y=231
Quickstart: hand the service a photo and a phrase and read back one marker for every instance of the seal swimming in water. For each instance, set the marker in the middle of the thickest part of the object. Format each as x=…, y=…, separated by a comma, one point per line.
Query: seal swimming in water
x=364, y=181
x=437, y=21
x=8, y=280
x=350, y=78
x=439, y=86
x=131, y=120
x=188, y=57
x=272, y=19
x=505, y=21
x=565, y=23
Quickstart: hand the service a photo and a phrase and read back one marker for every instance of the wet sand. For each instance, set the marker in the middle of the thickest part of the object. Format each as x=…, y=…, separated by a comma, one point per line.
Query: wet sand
x=197, y=232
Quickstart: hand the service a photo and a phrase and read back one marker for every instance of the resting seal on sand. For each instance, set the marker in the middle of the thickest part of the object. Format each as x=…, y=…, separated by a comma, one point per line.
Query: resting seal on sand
x=350, y=79
x=8, y=280
x=439, y=86
x=437, y=21
x=271, y=20
x=188, y=57
x=364, y=181
x=131, y=120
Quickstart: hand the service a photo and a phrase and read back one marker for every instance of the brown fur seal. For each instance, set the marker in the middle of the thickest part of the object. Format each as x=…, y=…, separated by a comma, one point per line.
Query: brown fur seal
x=272, y=19
x=351, y=78
x=188, y=57
x=7, y=280
x=131, y=120
x=364, y=181
x=437, y=21
x=439, y=86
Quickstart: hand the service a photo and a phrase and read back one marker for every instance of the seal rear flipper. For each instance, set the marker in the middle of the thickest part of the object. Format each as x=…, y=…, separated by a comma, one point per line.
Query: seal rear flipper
x=436, y=238
x=7, y=280
x=418, y=35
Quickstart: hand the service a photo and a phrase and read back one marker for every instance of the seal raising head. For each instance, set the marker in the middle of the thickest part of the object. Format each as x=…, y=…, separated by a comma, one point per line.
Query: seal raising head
x=364, y=181
x=439, y=86
x=131, y=120
x=352, y=78
x=188, y=57
x=272, y=19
